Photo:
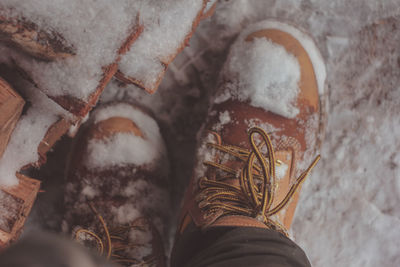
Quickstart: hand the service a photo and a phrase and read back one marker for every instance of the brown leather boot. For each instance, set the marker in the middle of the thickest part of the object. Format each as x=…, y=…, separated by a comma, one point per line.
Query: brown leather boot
x=116, y=196
x=262, y=134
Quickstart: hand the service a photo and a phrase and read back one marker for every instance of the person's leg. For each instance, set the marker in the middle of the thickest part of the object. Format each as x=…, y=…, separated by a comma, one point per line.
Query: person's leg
x=49, y=250
x=257, y=147
x=236, y=247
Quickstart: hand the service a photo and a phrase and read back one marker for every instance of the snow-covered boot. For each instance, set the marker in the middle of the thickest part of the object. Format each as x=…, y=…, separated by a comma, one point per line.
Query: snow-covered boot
x=116, y=197
x=263, y=132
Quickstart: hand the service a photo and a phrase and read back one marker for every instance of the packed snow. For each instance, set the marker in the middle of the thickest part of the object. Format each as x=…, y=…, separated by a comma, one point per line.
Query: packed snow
x=126, y=148
x=307, y=43
x=166, y=25
x=269, y=128
x=224, y=118
x=280, y=170
x=264, y=74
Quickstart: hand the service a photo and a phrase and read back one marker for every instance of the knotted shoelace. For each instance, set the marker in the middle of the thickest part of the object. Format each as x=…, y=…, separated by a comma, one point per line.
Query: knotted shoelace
x=119, y=234
x=257, y=183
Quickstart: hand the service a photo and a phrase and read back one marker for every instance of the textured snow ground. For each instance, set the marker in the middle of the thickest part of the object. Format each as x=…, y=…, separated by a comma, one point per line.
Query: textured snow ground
x=348, y=213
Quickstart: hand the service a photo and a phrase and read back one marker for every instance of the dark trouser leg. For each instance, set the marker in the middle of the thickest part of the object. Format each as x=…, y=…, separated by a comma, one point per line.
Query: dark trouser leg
x=236, y=246
x=46, y=250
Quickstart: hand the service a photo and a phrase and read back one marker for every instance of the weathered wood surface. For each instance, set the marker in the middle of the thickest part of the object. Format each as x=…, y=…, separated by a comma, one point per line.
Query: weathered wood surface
x=11, y=104
x=16, y=203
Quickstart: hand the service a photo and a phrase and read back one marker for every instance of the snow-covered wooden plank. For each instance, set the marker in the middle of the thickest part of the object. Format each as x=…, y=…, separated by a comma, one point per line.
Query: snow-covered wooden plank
x=81, y=108
x=11, y=104
x=147, y=60
x=15, y=205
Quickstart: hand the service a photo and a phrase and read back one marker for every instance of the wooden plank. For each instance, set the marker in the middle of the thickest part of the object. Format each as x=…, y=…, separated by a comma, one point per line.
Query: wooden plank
x=202, y=14
x=81, y=108
x=54, y=133
x=16, y=203
x=11, y=105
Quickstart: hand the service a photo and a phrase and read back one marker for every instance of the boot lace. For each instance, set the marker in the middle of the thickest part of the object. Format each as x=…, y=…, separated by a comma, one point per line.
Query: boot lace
x=257, y=183
x=107, y=240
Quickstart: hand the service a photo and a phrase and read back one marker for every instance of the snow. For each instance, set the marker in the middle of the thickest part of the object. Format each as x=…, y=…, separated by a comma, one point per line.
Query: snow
x=359, y=190
x=263, y=73
x=133, y=188
x=141, y=237
x=126, y=213
x=89, y=192
x=280, y=170
x=307, y=43
x=126, y=148
x=166, y=26
x=224, y=119
x=206, y=154
x=140, y=252
x=121, y=149
x=269, y=128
